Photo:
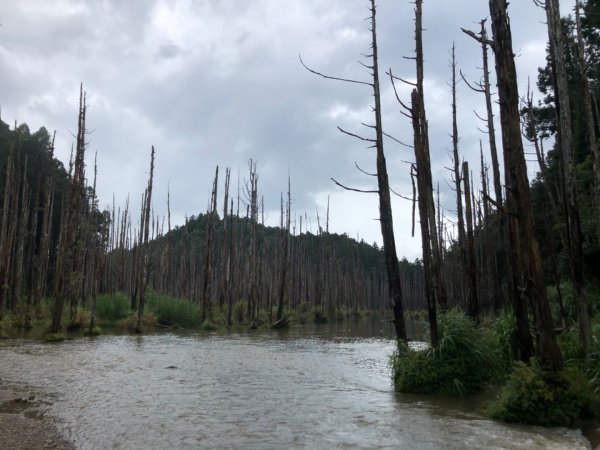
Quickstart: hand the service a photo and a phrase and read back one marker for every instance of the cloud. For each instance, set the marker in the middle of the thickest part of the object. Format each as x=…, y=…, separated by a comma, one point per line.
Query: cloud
x=216, y=83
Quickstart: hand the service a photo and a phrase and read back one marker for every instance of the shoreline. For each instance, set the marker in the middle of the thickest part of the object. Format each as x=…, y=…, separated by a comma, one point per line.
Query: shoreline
x=23, y=422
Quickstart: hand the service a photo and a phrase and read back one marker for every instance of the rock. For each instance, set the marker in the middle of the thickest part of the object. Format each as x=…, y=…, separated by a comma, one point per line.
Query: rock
x=31, y=397
x=171, y=367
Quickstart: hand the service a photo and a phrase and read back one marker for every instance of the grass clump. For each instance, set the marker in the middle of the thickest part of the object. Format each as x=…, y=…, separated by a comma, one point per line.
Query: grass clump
x=177, y=312
x=134, y=324
x=96, y=331
x=54, y=337
x=113, y=308
x=538, y=397
x=79, y=320
x=461, y=364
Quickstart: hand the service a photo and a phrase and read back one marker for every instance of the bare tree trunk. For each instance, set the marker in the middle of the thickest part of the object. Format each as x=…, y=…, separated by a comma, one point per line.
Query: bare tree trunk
x=285, y=237
x=210, y=230
x=457, y=179
x=64, y=281
x=143, y=246
x=472, y=301
x=527, y=274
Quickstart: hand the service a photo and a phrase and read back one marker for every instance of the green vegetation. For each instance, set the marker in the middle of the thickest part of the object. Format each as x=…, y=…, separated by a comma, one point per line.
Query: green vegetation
x=96, y=331
x=54, y=337
x=535, y=396
x=465, y=359
x=175, y=312
x=113, y=308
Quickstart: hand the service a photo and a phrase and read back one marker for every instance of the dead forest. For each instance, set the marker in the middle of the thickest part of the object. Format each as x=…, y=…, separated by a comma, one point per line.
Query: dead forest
x=501, y=246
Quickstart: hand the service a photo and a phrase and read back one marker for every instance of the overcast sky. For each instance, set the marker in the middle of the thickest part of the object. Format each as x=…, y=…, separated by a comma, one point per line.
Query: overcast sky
x=217, y=82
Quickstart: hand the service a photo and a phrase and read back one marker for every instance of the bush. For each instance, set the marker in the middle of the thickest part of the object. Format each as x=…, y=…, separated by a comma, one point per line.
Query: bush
x=81, y=319
x=96, y=331
x=238, y=312
x=54, y=337
x=134, y=325
x=537, y=397
x=113, y=307
x=173, y=311
x=461, y=363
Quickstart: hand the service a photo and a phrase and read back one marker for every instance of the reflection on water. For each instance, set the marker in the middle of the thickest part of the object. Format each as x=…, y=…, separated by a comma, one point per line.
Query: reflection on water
x=324, y=387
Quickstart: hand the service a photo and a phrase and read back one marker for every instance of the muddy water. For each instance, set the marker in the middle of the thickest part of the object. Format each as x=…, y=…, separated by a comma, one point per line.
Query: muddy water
x=326, y=387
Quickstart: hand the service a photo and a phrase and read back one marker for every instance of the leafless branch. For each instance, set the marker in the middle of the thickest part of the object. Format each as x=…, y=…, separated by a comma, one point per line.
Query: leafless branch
x=353, y=189
x=364, y=171
x=356, y=135
x=333, y=78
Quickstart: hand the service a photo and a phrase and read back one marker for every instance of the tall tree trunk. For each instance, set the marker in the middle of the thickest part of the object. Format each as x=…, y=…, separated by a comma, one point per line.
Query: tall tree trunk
x=527, y=274
x=457, y=179
x=571, y=203
x=72, y=220
x=472, y=300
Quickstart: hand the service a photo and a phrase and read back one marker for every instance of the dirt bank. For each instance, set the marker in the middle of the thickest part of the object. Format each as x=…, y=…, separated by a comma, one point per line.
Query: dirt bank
x=23, y=424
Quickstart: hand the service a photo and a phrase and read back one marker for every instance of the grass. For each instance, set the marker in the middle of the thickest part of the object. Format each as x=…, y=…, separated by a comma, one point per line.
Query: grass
x=113, y=308
x=536, y=397
x=465, y=359
x=175, y=312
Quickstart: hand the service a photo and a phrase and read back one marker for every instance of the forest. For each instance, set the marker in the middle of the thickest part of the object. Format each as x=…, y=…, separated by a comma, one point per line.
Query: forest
x=508, y=289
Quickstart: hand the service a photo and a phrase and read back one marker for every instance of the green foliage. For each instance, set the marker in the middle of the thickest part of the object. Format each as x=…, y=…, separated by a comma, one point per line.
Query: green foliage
x=80, y=320
x=173, y=311
x=209, y=325
x=570, y=346
x=537, y=397
x=462, y=362
x=6, y=327
x=54, y=337
x=113, y=307
x=96, y=331
x=238, y=312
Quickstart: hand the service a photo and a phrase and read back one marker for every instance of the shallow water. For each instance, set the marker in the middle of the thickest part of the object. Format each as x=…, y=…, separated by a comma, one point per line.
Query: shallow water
x=325, y=387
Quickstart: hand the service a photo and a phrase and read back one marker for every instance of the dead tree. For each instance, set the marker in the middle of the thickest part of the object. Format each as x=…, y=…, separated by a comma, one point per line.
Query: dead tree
x=457, y=178
x=72, y=221
x=528, y=286
x=285, y=243
x=143, y=246
x=383, y=190
x=472, y=300
x=210, y=231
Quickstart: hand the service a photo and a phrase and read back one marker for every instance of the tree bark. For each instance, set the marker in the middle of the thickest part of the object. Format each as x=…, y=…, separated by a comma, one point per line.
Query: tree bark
x=527, y=275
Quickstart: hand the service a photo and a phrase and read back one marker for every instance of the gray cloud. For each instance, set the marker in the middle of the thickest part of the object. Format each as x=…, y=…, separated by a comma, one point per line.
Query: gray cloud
x=213, y=83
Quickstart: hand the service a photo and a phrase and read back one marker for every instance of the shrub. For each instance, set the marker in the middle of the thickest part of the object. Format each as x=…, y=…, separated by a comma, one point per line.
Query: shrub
x=80, y=319
x=96, y=331
x=319, y=317
x=54, y=337
x=134, y=325
x=113, y=307
x=238, y=312
x=537, y=397
x=460, y=364
x=173, y=311
x=209, y=325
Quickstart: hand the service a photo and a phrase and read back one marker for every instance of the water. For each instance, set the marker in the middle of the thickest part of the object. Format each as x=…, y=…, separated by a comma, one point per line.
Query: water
x=327, y=387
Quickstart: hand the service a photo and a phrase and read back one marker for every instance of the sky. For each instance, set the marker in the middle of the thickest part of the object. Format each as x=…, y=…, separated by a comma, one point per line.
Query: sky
x=219, y=82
